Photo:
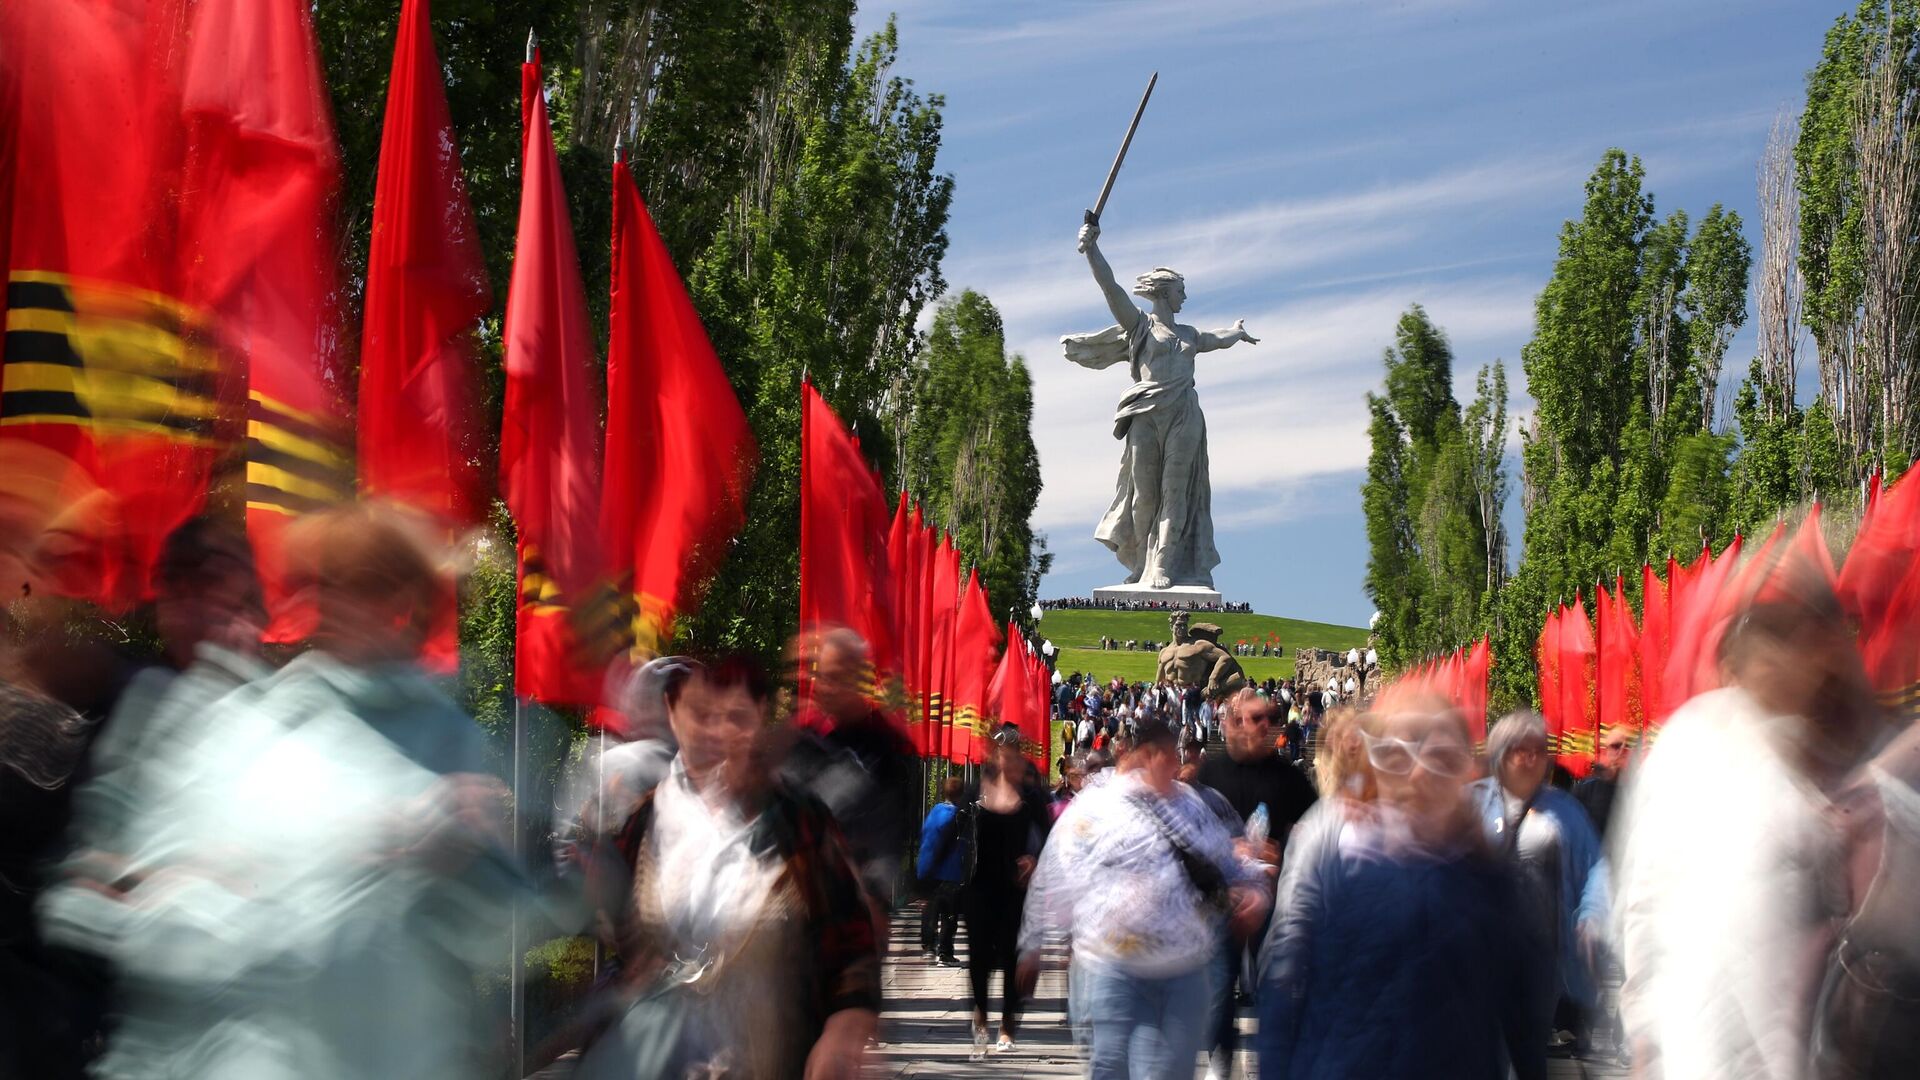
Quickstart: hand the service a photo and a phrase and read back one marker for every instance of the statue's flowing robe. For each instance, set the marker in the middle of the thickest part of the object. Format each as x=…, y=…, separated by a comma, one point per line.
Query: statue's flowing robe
x=1161, y=520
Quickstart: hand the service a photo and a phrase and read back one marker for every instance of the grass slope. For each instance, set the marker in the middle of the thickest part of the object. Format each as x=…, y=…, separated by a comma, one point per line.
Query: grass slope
x=1077, y=634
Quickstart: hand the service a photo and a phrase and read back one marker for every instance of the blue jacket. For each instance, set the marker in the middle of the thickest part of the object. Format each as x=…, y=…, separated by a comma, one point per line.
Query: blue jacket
x=939, y=825
x=1583, y=882
x=1392, y=966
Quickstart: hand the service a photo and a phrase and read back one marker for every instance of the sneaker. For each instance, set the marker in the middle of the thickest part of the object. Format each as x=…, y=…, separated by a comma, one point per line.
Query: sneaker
x=979, y=1045
x=1005, y=1045
x=948, y=960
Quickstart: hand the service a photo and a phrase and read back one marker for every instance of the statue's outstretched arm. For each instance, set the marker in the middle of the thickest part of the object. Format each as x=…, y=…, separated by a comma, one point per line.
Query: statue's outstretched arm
x=1117, y=299
x=1220, y=339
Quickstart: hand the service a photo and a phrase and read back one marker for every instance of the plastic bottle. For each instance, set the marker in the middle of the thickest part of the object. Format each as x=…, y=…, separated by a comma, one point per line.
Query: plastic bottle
x=1257, y=824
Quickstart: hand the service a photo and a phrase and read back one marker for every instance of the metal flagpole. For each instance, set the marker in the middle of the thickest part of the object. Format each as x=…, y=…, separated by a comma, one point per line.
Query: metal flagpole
x=517, y=978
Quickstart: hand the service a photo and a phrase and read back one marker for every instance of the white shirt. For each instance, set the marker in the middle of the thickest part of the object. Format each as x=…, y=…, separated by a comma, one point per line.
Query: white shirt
x=1726, y=875
x=708, y=881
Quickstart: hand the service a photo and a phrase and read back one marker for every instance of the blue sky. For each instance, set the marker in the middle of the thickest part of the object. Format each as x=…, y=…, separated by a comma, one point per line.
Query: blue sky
x=1315, y=167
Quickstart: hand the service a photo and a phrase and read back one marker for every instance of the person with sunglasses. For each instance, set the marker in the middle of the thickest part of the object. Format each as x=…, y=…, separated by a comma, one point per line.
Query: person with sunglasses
x=1393, y=952
x=1544, y=834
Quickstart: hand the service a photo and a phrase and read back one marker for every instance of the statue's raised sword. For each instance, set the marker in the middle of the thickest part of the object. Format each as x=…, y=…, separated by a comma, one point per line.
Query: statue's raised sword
x=1093, y=215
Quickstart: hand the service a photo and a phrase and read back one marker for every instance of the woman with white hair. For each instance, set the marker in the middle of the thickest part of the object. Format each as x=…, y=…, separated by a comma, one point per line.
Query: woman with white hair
x=1160, y=524
x=1545, y=834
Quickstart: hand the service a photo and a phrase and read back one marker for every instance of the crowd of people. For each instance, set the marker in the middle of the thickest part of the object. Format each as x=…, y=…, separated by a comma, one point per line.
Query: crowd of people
x=1083, y=603
x=230, y=863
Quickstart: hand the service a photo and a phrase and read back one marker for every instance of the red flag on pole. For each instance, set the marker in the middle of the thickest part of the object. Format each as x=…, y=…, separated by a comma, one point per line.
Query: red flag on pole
x=1880, y=589
x=1656, y=630
x=114, y=396
x=1576, y=689
x=1618, y=688
x=942, y=612
x=1473, y=686
x=680, y=455
x=549, y=457
x=845, y=574
x=1694, y=602
x=426, y=293
x=1010, y=699
x=975, y=640
x=1546, y=657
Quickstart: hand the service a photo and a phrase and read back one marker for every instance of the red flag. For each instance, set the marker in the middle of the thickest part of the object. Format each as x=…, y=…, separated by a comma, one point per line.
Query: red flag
x=115, y=399
x=263, y=171
x=942, y=612
x=897, y=571
x=1576, y=689
x=976, y=638
x=426, y=293
x=1880, y=589
x=1803, y=564
x=1656, y=631
x=845, y=575
x=919, y=640
x=1696, y=607
x=1473, y=687
x=1010, y=699
x=1546, y=656
x=680, y=455
x=1618, y=682
x=549, y=460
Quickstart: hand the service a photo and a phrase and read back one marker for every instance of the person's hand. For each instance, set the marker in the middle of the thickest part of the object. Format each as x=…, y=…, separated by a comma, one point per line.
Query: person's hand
x=1026, y=974
x=842, y=1046
x=1023, y=869
x=1593, y=944
x=1089, y=236
x=1240, y=331
x=1249, y=907
x=1266, y=851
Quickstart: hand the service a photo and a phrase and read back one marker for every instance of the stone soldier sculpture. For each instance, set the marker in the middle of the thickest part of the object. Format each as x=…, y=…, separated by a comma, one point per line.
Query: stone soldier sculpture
x=1195, y=658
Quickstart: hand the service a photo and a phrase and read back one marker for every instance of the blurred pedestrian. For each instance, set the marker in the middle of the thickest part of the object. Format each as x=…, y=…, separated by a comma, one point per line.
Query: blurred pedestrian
x=1140, y=876
x=1393, y=951
x=750, y=948
x=1544, y=835
x=1009, y=823
x=942, y=869
x=1731, y=866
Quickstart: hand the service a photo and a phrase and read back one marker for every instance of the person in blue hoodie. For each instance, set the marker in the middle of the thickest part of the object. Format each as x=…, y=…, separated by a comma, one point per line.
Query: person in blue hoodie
x=1545, y=835
x=1392, y=953
x=942, y=867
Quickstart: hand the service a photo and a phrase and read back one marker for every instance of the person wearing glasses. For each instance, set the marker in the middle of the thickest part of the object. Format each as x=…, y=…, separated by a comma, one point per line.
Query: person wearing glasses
x=1544, y=834
x=1393, y=951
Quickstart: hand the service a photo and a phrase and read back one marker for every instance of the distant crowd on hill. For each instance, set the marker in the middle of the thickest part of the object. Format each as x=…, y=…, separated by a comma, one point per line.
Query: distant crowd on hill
x=1075, y=603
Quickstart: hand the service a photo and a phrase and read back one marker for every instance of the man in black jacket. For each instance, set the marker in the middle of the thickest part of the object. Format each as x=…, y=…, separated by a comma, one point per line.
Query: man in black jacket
x=1251, y=774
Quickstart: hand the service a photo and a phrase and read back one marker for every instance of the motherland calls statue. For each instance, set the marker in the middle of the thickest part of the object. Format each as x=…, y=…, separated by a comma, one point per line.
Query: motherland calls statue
x=1196, y=659
x=1161, y=522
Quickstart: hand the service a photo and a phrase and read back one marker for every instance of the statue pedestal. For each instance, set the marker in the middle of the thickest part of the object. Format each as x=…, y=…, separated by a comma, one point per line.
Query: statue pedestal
x=1177, y=596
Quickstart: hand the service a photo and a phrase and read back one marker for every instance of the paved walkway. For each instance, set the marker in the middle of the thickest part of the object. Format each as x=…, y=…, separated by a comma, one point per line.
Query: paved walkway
x=926, y=1028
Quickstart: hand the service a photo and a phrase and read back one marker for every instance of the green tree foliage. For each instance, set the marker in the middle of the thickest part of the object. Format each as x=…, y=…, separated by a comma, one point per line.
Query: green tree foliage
x=1433, y=496
x=968, y=451
x=792, y=175
x=1622, y=460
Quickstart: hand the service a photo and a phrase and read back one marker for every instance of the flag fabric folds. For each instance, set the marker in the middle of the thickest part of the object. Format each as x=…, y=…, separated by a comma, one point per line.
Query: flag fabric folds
x=1576, y=671
x=549, y=464
x=1656, y=632
x=845, y=570
x=680, y=455
x=943, y=610
x=975, y=640
x=427, y=291
x=1880, y=589
x=1617, y=667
